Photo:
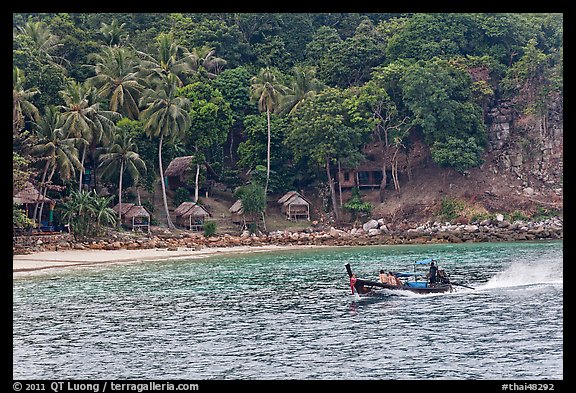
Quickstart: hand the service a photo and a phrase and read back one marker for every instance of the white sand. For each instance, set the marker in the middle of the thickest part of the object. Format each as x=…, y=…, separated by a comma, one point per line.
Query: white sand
x=77, y=258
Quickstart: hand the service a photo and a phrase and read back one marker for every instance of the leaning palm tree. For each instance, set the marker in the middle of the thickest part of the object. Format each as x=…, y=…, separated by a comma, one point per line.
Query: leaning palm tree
x=56, y=149
x=171, y=59
x=266, y=89
x=165, y=116
x=21, y=105
x=122, y=156
x=83, y=118
x=304, y=86
x=117, y=80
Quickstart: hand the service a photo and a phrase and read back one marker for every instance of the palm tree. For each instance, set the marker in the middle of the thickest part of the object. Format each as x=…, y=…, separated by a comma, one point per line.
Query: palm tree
x=56, y=148
x=83, y=118
x=121, y=156
x=43, y=40
x=304, y=86
x=113, y=33
x=103, y=213
x=117, y=79
x=205, y=57
x=166, y=116
x=21, y=105
x=268, y=91
x=172, y=59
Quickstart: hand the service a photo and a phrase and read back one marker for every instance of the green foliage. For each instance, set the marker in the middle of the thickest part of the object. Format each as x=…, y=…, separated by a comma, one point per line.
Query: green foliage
x=182, y=195
x=87, y=213
x=543, y=213
x=450, y=209
x=210, y=228
x=356, y=206
x=253, y=199
x=460, y=154
x=19, y=218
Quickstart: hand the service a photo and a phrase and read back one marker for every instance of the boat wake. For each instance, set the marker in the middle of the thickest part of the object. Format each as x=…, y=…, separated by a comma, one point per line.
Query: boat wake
x=548, y=272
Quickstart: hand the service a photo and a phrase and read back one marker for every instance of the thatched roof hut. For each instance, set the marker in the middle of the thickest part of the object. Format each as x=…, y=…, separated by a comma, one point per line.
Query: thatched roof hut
x=294, y=205
x=238, y=216
x=176, y=171
x=134, y=216
x=29, y=194
x=191, y=214
x=125, y=208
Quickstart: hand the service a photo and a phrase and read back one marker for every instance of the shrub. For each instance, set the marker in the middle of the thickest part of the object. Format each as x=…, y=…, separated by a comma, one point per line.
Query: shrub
x=209, y=228
x=451, y=208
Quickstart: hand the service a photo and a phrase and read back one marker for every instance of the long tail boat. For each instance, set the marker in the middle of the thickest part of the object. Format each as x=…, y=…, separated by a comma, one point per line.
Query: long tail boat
x=408, y=281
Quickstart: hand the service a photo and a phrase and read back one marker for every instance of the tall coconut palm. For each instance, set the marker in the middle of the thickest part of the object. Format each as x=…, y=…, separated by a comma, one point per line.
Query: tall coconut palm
x=266, y=89
x=56, y=149
x=21, y=105
x=43, y=40
x=171, y=59
x=165, y=116
x=117, y=80
x=113, y=33
x=304, y=86
x=122, y=156
x=83, y=118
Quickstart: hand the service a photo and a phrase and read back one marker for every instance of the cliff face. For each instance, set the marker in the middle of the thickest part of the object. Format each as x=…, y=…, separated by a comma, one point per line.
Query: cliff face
x=527, y=146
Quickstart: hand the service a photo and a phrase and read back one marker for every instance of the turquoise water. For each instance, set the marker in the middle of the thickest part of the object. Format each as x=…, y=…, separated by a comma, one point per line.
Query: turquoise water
x=290, y=315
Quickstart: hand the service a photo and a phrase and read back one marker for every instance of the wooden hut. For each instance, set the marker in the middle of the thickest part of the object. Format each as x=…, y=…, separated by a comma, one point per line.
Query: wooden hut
x=293, y=205
x=134, y=216
x=191, y=215
x=30, y=196
x=238, y=216
x=177, y=171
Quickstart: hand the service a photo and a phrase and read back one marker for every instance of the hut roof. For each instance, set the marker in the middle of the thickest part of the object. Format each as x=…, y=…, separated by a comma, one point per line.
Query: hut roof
x=293, y=198
x=237, y=207
x=29, y=194
x=196, y=211
x=296, y=200
x=137, y=211
x=191, y=209
x=178, y=166
x=287, y=196
x=125, y=208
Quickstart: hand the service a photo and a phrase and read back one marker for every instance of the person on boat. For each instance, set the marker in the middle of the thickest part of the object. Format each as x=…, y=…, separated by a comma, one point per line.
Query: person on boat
x=352, y=282
x=433, y=273
x=443, y=277
x=384, y=277
x=394, y=280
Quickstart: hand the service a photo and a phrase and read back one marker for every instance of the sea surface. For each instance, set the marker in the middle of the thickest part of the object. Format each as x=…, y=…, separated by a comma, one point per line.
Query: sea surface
x=291, y=315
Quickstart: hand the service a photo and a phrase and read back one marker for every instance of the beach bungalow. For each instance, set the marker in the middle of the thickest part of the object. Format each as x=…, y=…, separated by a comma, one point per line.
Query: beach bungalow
x=238, y=216
x=191, y=215
x=177, y=171
x=29, y=196
x=293, y=205
x=134, y=216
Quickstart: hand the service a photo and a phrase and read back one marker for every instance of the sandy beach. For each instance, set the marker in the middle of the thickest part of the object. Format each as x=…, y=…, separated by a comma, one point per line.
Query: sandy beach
x=42, y=261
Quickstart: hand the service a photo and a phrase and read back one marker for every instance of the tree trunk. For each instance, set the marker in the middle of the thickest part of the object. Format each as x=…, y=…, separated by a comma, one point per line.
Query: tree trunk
x=120, y=194
x=267, y=153
x=40, y=190
x=332, y=191
x=46, y=189
x=339, y=182
x=196, y=185
x=81, y=169
x=168, y=220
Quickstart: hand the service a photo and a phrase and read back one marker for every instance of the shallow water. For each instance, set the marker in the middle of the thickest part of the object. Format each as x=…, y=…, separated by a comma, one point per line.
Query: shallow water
x=290, y=315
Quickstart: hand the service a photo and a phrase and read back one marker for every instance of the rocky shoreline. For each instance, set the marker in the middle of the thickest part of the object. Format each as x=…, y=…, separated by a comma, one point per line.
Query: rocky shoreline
x=373, y=232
